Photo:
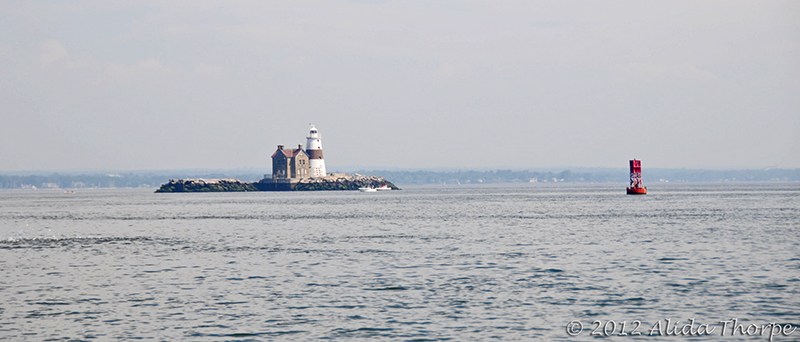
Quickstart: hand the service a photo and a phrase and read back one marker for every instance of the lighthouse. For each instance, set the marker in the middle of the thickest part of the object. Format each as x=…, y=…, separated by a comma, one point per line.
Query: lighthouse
x=314, y=151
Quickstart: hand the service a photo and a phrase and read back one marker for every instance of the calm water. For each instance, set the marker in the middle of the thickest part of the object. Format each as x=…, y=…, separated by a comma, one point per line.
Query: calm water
x=425, y=263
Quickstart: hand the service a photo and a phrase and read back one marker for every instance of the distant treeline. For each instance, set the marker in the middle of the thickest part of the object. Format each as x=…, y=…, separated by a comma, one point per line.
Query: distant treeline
x=595, y=176
x=478, y=177
x=154, y=180
x=687, y=175
x=124, y=180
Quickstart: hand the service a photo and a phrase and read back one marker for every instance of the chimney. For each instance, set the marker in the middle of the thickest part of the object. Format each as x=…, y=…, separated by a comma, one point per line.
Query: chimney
x=299, y=146
x=280, y=147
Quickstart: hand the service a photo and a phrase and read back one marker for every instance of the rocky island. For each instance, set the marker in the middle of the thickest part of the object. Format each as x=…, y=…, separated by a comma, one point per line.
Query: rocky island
x=335, y=181
x=294, y=169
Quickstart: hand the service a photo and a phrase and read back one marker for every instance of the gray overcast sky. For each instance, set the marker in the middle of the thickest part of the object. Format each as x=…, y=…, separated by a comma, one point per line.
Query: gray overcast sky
x=133, y=85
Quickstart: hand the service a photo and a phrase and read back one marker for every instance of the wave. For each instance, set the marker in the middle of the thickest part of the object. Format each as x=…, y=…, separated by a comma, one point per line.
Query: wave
x=59, y=242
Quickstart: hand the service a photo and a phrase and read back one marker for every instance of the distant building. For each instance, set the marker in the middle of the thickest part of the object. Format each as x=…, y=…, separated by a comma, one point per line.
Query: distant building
x=290, y=164
x=293, y=165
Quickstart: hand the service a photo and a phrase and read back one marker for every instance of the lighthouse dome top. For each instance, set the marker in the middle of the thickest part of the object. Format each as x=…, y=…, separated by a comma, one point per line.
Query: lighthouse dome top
x=312, y=132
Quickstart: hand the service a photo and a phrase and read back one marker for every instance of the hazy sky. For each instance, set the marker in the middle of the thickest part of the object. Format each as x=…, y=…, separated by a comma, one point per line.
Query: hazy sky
x=132, y=85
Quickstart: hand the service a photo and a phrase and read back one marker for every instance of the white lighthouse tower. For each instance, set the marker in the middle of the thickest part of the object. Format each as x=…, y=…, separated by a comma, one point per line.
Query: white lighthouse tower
x=314, y=151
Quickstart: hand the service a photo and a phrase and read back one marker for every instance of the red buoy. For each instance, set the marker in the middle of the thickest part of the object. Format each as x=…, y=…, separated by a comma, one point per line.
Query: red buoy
x=636, y=187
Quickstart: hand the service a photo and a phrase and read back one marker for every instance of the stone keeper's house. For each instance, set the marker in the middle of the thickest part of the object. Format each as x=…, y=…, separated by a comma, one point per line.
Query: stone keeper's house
x=290, y=164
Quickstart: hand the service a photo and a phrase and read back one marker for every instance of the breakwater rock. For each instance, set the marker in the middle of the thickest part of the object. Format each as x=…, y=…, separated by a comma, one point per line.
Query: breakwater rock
x=206, y=185
x=343, y=182
x=335, y=181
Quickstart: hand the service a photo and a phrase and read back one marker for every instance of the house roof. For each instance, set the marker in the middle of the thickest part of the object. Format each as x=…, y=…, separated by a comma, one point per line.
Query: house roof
x=289, y=153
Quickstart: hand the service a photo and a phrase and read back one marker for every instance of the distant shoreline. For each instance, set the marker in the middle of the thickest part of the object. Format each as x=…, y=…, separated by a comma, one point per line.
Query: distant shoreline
x=577, y=185
x=403, y=178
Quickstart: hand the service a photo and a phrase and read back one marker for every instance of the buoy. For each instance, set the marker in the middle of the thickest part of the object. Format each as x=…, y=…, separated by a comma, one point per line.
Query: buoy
x=636, y=187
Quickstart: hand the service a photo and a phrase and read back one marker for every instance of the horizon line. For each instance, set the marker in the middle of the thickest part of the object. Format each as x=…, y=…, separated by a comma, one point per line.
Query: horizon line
x=395, y=169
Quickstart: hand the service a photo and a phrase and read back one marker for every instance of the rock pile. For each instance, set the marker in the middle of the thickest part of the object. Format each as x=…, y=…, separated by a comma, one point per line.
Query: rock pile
x=206, y=185
x=343, y=182
x=337, y=181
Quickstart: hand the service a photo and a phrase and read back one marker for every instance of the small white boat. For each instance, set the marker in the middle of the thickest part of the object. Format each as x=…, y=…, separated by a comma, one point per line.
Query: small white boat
x=384, y=188
x=367, y=189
